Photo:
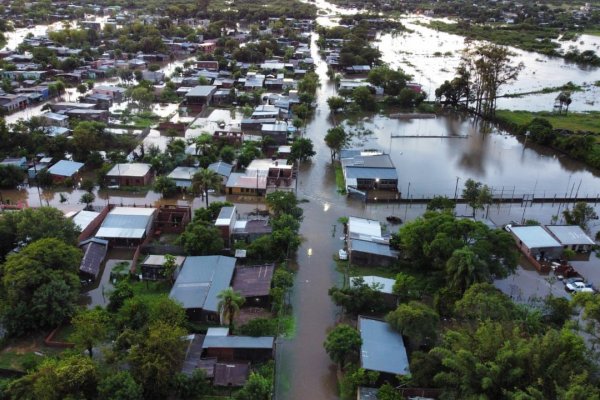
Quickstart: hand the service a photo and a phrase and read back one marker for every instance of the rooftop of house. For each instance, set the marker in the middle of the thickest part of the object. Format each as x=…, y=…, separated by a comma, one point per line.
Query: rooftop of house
x=129, y=169
x=201, y=279
x=253, y=281
x=382, y=347
x=570, y=235
x=126, y=223
x=534, y=236
x=65, y=168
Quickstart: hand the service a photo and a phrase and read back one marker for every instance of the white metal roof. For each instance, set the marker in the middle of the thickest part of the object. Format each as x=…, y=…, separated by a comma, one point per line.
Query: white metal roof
x=84, y=218
x=129, y=169
x=126, y=223
x=386, y=284
x=364, y=228
x=534, y=237
x=570, y=234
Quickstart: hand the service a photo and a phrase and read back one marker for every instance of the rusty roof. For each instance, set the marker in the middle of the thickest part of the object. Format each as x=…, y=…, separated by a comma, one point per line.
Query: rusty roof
x=231, y=374
x=253, y=281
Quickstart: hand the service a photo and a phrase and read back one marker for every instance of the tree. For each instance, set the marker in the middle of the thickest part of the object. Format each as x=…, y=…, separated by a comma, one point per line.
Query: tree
x=406, y=287
x=119, y=386
x=282, y=202
x=11, y=176
x=168, y=311
x=90, y=328
x=336, y=103
x=558, y=310
x=540, y=130
x=416, y=321
x=87, y=198
x=388, y=392
x=72, y=377
x=119, y=295
x=302, y=150
x=498, y=360
x=88, y=137
x=157, y=358
x=359, y=297
x=336, y=139
x=256, y=387
x=590, y=304
x=564, y=98
x=82, y=88
x=205, y=180
x=490, y=68
x=342, y=343
x=483, y=301
x=392, y=81
x=41, y=286
x=190, y=387
x=441, y=203
x=201, y=238
x=169, y=267
x=143, y=96
x=465, y=268
x=229, y=305
x=165, y=186
x=363, y=97
x=227, y=154
x=476, y=195
x=87, y=185
x=581, y=214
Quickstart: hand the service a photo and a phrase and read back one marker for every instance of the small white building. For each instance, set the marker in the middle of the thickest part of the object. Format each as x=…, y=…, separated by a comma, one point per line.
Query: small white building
x=571, y=237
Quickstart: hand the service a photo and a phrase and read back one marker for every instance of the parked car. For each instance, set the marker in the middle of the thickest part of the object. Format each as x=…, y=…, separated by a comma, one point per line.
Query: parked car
x=573, y=280
x=343, y=254
x=579, y=287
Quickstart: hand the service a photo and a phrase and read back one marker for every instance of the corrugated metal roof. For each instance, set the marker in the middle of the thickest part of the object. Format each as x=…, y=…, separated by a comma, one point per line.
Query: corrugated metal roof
x=534, y=237
x=221, y=168
x=126, y=223
x=225, y=216
x=201, y=91
x=238, y=342
x=129, y=169
x=386, y=284
x=183, y=173
x=570, y=234
x=370, y=247
x=84, y=218
x=354, y=172
x=65, y=168
x=201, y=279
x=364, y=227
x=382, y=348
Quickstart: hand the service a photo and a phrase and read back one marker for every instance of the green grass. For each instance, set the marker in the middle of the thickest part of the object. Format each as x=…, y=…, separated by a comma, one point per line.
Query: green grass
x=12, y=360
x=357, y=270
x=150, y=291
x=566, y=87
x=339, y=178
x=589, y=121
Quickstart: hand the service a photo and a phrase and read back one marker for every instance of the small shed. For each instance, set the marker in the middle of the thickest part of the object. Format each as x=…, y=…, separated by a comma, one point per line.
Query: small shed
x=152, y=267
x=238, y=348
x=231, y=374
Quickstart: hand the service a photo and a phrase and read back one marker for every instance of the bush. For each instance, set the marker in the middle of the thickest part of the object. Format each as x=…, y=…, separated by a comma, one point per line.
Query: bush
x=260, y=327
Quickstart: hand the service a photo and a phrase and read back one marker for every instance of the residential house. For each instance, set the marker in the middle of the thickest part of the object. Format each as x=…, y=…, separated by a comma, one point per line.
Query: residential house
x=20, y=162
x=233, y=228
x=382, y=349
x=222, y=169
x=367, y=245
x=385, y=286
x=262, y=176
x=537, y=244
x=115, y=92
x=183, y=176
x=55, y=119
x=200, y=95
x=198, y=284
x=88, y=115
x=571, y=237
x=13, y=102
x=220, y=345
x=254, y=283
x=207, y=47
x=208, y=65
x=127, y=226
x=129, y=174
x=63, y=170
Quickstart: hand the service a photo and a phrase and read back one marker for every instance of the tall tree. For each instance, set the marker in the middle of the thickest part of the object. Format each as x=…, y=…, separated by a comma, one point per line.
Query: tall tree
x=229, y=305
x=205, y=180
x=283, y=202
x=336, y=139
x=464, y=268
x=490, y=67
x=581, y=214
x=256, y=387
x=157, y=358
x=41, y=286
x=342, y=343
x=119, y=386
x=90, y=328
x=302, y=150
x=416, y=321
x=201, y=238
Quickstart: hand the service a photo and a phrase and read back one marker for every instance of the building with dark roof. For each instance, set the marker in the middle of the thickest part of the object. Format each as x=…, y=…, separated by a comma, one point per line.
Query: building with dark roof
x=218, y=343
x=368, y=171
x=198, y=284
x=254, y=283
x=94, y=252
x=231, y=374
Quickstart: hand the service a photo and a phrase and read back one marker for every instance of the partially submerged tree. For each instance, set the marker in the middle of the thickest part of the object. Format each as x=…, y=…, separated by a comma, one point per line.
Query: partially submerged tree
x=342, y=343
x=336, y=138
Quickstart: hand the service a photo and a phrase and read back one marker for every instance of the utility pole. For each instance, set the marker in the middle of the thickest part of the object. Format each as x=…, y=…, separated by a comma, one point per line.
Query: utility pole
x=456, y=189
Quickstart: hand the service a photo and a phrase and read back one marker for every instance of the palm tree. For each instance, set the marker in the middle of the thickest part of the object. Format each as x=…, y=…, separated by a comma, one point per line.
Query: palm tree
x=230, y=302
x=464, y=268
x=204, y=180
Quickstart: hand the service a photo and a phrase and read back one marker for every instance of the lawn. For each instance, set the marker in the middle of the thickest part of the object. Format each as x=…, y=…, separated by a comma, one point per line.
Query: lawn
x=18, y=354
x=589, y=121
x=339, y=178
x=150, y=291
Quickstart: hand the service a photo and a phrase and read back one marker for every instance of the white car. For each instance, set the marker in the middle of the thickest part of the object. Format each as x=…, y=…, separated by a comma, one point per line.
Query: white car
x=343, y=254
x=579, y=287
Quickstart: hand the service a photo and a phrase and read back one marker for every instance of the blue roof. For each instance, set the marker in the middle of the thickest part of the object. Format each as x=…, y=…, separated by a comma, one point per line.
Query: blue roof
x=382, y=348
x=65, y=168
x=221, y=168
x=201, y=279
x=369, y=247
x=353, y=172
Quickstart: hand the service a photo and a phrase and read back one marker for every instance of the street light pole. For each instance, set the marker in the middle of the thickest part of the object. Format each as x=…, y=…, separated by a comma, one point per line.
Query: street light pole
x=456, y=189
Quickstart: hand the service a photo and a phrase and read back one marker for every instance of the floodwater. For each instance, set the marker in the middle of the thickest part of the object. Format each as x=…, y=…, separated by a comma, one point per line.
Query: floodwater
x=429, y=166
